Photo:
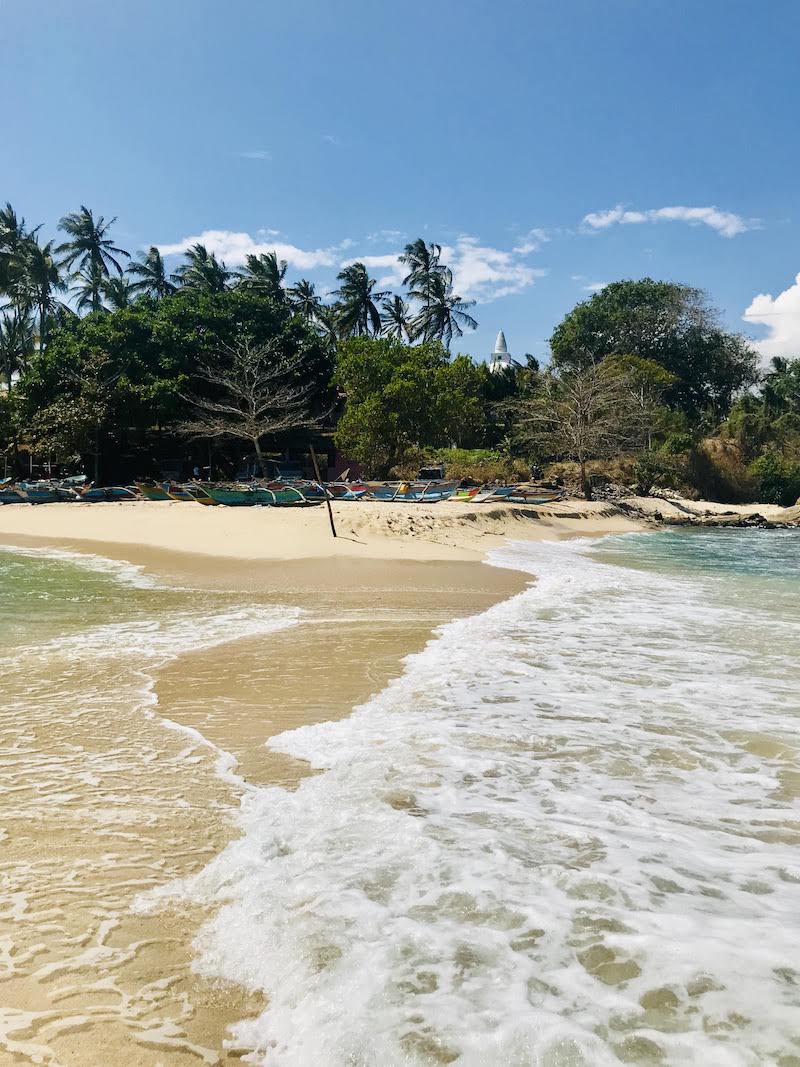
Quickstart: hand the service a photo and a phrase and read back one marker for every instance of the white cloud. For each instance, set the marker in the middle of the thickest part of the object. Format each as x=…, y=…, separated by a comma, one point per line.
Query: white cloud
x=781, y=316
x=390, y=270
x=483, y=273
x=331, y=138
x=595, y=287
x=480, y=272
x=259, y=153
x=532, y=241
x=725, y=223
x=233, y=248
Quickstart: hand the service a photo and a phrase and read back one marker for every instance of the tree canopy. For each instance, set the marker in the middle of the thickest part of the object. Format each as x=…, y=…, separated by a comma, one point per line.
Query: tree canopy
x=670, y=324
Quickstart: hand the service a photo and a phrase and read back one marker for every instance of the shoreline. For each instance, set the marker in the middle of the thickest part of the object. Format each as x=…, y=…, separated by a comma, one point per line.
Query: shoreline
x=362, y=616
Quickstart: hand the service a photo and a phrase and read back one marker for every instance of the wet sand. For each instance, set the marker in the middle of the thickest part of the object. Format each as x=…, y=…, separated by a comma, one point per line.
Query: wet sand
x=93, y=816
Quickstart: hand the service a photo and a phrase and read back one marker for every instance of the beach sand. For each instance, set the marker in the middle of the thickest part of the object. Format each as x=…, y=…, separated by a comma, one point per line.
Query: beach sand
x=88, y=980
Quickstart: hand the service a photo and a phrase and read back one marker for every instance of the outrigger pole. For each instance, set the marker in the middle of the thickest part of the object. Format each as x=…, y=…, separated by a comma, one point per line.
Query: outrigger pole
x=322, y=487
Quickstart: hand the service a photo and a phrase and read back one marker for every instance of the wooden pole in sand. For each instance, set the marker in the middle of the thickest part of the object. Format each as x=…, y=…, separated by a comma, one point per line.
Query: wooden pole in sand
x=322, y=487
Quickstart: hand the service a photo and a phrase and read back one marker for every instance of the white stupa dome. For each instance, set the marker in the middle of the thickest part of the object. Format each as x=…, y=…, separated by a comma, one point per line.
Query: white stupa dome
x=500, y=359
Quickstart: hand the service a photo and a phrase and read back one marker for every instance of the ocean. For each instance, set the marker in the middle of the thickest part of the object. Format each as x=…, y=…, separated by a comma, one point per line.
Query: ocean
x=566, y=836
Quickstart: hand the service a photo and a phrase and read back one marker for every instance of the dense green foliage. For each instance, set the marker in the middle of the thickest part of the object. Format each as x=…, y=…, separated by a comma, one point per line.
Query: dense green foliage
x=103, y=354
x=669, y=324
x=399, y=398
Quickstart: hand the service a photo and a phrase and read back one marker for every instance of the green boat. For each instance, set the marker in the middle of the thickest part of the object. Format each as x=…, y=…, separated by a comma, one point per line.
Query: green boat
x=246, y=496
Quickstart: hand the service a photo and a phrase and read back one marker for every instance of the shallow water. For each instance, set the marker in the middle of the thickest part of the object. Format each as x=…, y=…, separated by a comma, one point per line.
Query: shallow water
x=99, y=800
x=567, y=836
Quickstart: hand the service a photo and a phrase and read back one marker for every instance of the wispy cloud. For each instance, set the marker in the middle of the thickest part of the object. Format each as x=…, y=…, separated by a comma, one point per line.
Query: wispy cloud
x=480, y=272
x=258, y=153
x=594, y=287
x=532, y=241
x=331, y=138
x=725, y=223
x=234, y=247
x=781, y=316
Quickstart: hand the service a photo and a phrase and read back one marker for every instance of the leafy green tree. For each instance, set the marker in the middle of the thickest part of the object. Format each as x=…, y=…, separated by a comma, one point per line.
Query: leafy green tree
x=778, y=478
x=423, y=262
x=669, y=324
x=156, y=348
x=265, y=273
x=304, y=301
x=90, y=248
x=151, y=273
x=357, y=309
x=202, y=270
x=16, y=344
x=13, y=234
x=399, y=399
x=40, y=283
x=118, y=293
x=89, y=288
x=396, y=319
x=443, y=315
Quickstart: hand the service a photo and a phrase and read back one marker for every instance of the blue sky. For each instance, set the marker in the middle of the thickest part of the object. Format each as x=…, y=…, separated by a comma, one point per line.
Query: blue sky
x=550, y=146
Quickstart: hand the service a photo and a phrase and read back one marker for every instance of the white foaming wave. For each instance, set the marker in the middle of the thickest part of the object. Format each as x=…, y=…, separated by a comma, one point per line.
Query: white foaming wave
x=143, y=641
x=542, y=845
x=130, y=574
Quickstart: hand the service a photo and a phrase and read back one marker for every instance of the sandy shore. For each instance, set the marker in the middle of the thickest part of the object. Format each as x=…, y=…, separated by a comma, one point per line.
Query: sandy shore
x=105, y=984
x=97, y=810
x=366, y=529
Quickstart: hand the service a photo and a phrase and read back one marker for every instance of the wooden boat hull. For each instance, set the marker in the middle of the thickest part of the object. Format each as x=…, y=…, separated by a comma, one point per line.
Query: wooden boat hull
x=106, y=493
x=9, y=495
x=49, y=496
x=151, y=491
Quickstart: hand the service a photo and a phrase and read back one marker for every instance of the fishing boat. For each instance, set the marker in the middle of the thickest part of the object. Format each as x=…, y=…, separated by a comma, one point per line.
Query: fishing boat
x=152, y=491
x=10, y=494
x=199, y=493
x=182, y=493
x=533, y=494
x=95, y=494
x=412, y=492
x=280, y=496
x=46, y=493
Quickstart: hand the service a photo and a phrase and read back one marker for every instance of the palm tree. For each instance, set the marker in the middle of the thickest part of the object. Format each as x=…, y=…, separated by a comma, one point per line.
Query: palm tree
x=89, y=290
x=119, y=293
x=423, y=262
x=304, y=300
x=89, y=246
x=443, y=314
x=396, y=319
x=152, y=274
x=265, y=273
x=12, y=237
x=40, y=281
x=357, y=310
x=16, y=344
x=202, y=270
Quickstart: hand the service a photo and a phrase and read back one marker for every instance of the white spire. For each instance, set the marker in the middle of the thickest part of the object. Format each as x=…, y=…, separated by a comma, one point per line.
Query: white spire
x=500, y=359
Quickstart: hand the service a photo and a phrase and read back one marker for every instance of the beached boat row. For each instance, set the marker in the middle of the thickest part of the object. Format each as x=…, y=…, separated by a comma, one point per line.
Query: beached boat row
x=273, y=494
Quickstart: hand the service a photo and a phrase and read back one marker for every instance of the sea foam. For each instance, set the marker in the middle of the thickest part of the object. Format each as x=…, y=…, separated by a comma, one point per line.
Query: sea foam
x=563, y=837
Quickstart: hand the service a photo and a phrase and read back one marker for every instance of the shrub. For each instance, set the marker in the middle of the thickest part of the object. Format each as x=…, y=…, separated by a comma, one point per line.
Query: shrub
x=777, y=477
